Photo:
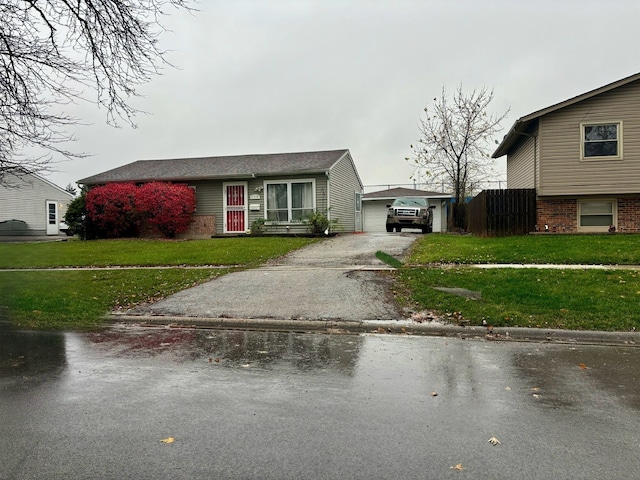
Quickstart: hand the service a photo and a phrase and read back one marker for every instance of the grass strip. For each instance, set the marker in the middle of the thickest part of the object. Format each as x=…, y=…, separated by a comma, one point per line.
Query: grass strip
x=128, y=252
x=79, y=299
x=571, y=299
x=388, y=259
x=617, y=249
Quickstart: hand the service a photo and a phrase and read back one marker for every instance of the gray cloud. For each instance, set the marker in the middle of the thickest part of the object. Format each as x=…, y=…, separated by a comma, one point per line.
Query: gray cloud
x=279, y=76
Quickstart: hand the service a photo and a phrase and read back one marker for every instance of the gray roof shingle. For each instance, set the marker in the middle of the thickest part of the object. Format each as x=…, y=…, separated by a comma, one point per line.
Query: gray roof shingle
x=238, y=166
x=393, y=193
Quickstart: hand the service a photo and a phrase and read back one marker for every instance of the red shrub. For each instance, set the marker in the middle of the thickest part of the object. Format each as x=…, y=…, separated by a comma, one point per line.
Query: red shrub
x=167, y=207
x=112, y=210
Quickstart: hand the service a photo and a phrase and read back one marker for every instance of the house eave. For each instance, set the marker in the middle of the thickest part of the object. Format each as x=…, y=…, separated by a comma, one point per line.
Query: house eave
x=521, y=125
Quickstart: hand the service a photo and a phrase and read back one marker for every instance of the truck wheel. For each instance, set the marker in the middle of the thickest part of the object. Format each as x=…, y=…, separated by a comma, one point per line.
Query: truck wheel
x=398, y=229
x=389, y=229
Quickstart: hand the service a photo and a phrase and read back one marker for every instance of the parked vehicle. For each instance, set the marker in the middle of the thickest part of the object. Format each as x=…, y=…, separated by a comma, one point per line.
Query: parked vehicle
x=410, y=212
x=64, y=228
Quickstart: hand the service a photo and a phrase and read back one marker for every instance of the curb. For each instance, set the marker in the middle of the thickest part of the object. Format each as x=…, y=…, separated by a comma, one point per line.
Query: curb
x=406, y=327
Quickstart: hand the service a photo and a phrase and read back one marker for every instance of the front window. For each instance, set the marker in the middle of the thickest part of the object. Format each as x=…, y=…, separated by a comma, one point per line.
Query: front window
x=596, y=215
x=601, y=140
x=289, y=201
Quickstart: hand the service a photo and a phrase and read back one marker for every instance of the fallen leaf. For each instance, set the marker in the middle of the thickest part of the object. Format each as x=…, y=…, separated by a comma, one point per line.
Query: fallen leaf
x=583, y=366
x=168, y=440
x=457, y=467
x=494, y=441
x=535, y=395
x=434, y=394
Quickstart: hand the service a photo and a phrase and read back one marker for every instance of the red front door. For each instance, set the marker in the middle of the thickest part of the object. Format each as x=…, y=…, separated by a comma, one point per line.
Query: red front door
x=235, y=208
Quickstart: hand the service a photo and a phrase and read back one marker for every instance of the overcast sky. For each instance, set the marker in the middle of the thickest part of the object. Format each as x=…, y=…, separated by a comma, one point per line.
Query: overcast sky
x=258, y=76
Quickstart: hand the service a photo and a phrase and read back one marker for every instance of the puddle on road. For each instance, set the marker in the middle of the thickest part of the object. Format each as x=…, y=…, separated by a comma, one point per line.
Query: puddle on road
x=232, y=348
x=26, y=354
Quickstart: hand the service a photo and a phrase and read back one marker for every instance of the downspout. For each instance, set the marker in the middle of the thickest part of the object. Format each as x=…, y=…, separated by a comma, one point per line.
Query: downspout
x=535, y=165
x=328, y=196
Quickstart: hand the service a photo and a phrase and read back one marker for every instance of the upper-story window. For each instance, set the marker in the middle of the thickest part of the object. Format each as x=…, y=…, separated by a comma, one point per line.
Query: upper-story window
x=602, y=140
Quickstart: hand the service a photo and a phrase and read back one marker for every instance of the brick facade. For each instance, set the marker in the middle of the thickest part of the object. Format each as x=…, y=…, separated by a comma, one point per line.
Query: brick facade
x=202, y=226
x=629, y=214
x=561, y=215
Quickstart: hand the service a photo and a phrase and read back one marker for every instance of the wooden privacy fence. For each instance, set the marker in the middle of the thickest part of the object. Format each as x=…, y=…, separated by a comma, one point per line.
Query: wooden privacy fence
x=500, y=213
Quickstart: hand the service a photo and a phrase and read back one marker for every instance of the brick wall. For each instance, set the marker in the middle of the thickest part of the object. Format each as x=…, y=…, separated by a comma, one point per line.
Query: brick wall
x=202, y=226
x=561, y=215
x=629, y=214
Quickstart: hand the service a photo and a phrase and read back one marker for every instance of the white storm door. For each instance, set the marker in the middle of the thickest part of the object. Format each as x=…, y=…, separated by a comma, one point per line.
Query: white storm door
x=52, y=218
x=235, y=208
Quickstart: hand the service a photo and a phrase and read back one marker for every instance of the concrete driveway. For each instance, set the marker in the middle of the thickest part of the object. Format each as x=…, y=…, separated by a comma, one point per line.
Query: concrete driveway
x=337, y=279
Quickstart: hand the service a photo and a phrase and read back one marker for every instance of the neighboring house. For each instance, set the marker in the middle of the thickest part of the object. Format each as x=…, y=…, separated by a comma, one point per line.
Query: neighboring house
x=374, y=206
x=582, y=157
x=31, y=205
x=232, y=192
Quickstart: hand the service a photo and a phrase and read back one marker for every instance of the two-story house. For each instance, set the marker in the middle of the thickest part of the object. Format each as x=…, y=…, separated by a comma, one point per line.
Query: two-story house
x=582, y=156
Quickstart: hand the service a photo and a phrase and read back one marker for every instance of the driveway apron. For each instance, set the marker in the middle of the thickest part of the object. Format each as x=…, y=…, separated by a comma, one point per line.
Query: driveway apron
x=337, y=279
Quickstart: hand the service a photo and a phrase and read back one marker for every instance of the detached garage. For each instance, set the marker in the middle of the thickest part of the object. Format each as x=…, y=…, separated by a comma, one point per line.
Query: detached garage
x=374, y=207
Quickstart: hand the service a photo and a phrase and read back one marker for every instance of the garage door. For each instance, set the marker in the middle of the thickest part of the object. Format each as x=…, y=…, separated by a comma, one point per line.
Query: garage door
x=375, y=215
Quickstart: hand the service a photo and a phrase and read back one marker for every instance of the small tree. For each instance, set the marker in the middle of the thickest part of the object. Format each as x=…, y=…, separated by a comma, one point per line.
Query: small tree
x=167, y=207
x=453, y=147
x=76, y=216
x=112, y=210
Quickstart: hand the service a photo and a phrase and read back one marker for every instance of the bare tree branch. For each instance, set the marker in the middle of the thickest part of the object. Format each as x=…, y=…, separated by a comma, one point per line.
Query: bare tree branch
x=51, y=51
x=453, y=147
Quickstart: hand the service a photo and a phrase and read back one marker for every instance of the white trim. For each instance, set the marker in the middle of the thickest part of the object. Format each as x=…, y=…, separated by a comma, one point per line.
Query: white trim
x=288, y=182
x=224, y=205
x=51, y=228
x=604, y=228
x=619, y=139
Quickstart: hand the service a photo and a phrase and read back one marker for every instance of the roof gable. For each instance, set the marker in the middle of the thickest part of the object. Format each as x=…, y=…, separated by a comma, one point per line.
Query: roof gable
x=238, y=166
x=21, y=178
x=522, y=125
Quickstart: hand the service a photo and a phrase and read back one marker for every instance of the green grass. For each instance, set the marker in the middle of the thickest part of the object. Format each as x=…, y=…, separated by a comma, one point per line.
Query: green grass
x=388, y=259
x=572, y=299
x=80, y=299
x=562, y=249
x=99, y=253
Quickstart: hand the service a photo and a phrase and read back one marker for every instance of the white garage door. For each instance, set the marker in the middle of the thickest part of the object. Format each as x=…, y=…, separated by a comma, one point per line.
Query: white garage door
x=375, y=215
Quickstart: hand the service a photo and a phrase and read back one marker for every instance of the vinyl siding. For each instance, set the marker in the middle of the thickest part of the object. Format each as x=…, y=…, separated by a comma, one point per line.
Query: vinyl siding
x=210, y=200
x=521, y=164
x=343, y=185
x=27, y=201
x=561, y=170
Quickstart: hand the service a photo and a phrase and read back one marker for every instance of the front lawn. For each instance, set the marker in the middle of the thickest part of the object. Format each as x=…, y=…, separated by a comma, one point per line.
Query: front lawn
x=128, y=252
x=561, y=249
x=78, y=299
x=573, y=299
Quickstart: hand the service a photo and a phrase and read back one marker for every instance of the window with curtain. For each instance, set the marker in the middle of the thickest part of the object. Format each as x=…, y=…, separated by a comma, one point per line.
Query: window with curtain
x=289, y=201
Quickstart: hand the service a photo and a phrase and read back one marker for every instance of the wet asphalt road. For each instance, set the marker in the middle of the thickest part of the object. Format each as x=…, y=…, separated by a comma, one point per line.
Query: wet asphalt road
x=336, y=279
x=258, y=405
